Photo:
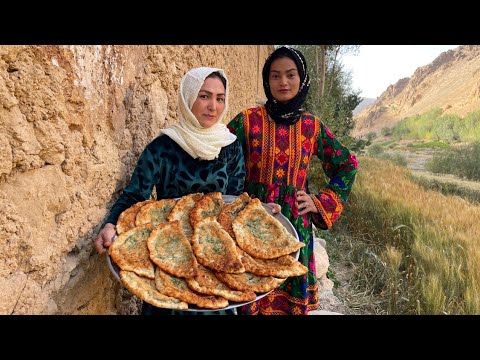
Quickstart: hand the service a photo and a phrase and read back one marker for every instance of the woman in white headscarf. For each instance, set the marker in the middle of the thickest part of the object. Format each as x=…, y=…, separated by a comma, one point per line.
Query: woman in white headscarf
x=196, y=155
x=200, y=131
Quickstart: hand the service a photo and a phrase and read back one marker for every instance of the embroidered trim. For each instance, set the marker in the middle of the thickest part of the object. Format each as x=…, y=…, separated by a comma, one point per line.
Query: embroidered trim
x=280, y=302
x=332, y=215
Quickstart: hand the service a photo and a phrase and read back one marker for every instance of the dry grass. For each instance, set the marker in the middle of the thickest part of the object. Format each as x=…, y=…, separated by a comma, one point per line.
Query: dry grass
x=357, y=298
x=415, y=251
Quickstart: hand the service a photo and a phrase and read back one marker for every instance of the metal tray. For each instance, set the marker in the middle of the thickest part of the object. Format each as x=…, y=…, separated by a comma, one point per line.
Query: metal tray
x=228, y=199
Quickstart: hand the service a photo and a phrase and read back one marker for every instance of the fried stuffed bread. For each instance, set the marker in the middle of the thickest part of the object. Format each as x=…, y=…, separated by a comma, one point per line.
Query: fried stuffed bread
x=126, y=220
x=130, y=251
x=210, y=204
x=230, y=212
x=171, y=251
x=249, y=282
x=145, y=289
x=205, y=282
x=282, y=267
x=155, y=212
x=214, y=248
x=261, y=235
x=181, y=212
x=178, y=288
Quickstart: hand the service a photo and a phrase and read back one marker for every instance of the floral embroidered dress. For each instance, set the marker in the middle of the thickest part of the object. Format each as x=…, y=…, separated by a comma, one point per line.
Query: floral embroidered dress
x=277, y=157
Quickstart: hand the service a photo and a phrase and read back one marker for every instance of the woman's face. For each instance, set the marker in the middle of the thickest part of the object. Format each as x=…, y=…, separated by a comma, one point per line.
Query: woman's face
x=210, y=102
x=284, y=79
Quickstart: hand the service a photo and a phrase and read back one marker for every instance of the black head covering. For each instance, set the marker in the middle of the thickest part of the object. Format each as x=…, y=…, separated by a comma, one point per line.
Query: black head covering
x=290, y=112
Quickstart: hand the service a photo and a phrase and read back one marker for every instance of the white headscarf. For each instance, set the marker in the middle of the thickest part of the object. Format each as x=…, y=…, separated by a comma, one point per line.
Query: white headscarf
x=199, y=142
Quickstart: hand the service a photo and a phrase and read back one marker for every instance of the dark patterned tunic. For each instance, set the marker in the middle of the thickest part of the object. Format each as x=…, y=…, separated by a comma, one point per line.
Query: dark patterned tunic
x=277, y=159
x=174, y=173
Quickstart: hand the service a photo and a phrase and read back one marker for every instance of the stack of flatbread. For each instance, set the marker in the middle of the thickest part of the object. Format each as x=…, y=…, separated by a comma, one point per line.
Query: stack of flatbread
x=198, y=252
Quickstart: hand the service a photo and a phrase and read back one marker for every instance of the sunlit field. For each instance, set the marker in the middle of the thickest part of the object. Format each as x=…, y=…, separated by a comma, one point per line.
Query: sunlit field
x=415, y=250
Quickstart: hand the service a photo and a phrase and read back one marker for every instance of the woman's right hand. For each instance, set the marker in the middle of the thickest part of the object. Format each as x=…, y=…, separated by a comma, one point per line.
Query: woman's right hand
x=276, y=208
x=104, y=238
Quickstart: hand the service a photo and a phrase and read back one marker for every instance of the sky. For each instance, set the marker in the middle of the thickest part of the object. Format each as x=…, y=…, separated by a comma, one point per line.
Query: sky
x=376, y=67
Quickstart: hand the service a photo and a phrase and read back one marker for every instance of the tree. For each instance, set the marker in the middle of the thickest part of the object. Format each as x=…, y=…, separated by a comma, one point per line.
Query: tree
x=335, y=105
x=321, y=62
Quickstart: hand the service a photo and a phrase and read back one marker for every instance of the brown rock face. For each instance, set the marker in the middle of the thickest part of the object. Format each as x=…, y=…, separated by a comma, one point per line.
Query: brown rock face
x=451, y=82
x=73, y=121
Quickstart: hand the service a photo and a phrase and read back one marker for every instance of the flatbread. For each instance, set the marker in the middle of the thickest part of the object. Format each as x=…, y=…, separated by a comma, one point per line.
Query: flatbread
x=178, y=288
x=230, y=212
x=126, y=220
x=218, y=260
x=206, y=283
x=210, y=204
x=181, y=212
x=155, y=212
x=145, y=289
x=214, y=248
x=129, y=251
x=249, y=282
x=171, y=251
x=282, y=267
x=261, y=235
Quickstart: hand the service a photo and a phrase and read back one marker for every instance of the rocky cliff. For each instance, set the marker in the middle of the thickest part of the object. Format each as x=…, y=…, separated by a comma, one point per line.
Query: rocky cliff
x=451, y=82
x=73, y=121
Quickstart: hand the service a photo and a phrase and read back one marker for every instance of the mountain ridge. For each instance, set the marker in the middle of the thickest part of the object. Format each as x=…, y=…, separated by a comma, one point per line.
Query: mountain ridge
x=450, y=82
x=363, y=105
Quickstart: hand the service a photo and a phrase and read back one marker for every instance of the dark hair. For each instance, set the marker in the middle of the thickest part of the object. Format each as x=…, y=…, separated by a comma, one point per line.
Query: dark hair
x=216, y=74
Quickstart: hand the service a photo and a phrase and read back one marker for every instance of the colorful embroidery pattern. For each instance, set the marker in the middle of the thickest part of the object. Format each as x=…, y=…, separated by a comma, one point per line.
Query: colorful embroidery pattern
x=277, y=157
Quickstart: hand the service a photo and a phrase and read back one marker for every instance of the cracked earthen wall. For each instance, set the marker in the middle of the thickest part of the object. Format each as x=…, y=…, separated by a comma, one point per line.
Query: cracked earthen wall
x=73, y=121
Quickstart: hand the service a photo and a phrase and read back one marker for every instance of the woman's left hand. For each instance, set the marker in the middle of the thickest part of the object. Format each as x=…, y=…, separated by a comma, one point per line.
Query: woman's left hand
x=305, y=203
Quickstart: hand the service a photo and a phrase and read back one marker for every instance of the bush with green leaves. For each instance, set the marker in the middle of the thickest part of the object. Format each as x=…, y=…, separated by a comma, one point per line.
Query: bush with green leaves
x=437, y=126
x=461, y=161
x=386, y=131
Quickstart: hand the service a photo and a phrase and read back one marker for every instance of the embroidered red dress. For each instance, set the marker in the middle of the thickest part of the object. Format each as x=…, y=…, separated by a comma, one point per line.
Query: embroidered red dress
x=277, y=158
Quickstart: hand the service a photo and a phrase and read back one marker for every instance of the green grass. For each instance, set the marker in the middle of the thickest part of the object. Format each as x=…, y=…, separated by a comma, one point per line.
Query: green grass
x=377, y=150
x=430, y=145
x=388, y=143
x=449, y=188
